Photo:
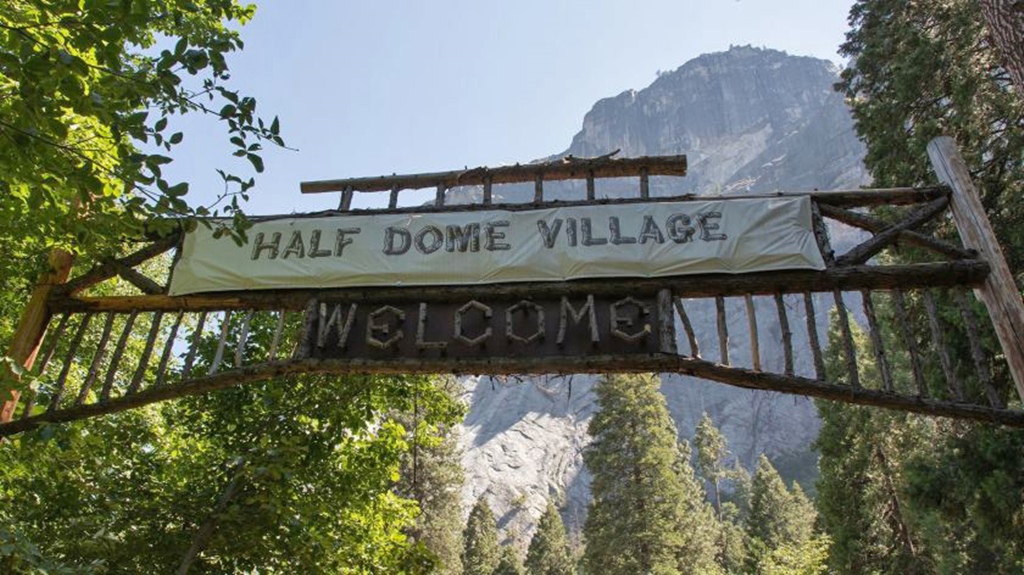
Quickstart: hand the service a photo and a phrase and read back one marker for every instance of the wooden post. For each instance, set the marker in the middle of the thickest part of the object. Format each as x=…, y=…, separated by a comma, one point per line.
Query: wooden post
x=999, y=292
x=32, y=326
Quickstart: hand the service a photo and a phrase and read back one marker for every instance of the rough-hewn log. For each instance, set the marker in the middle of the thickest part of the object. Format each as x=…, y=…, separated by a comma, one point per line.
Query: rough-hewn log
x=849, y=349
x=723, y=331
x=564, y=169
x=109, y=269
x=32, y=325
x=687, y=327
x=755, y=345
x=875, y=225
x=787, y=334
x=115, y=360
x=903, y=322
x=941, y=347
x=812, y=336
x=660, y=363
x=877, y=345
x=866, y=250
x=999, y=292
x=969, y=273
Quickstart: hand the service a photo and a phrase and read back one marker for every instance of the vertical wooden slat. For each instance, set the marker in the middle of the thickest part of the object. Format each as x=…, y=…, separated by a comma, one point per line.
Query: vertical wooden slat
x=488, y=191
x=849, y=349
x=147, y=352
x=305, y=344
x=591, y=188
x=193, y=348
x=874, y=332
x=243, y=338
x=755, y=344
x=439, y=197
x=812, y=336
x=115, y=360
x=666, y=323
x=346, y=199
x=51, y=345
x=218, y=356
x=787, y=334
x=723, y=331
x=903, y=321
x=69, y=360
x=97, y=359
x=393, y=198
x=645, y=184
x=941, y=347
x=688, y=328
x=275, y=342
x=538, y=188
x=821, y=235
x=999, y=292
x=977, y=351
x=165, y=357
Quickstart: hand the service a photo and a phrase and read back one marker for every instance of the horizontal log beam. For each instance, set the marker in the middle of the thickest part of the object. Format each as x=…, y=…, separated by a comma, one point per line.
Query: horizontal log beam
x=969, y=273
x=658, y=363
x=565, y=169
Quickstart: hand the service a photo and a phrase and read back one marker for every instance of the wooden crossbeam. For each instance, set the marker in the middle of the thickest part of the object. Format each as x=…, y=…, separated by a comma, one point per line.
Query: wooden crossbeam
x=878, y=242
x=875, y=226
x=851, y=278
x=735, y=376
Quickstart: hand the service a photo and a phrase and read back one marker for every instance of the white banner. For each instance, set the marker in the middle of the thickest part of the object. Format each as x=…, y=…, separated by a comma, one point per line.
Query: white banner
x=654, y=239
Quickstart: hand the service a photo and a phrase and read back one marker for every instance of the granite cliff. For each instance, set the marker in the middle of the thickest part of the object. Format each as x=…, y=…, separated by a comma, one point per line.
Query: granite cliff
x=750, y=120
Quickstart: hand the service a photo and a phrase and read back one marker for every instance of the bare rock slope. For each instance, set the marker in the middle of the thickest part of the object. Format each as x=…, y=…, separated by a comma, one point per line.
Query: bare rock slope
x=749, y=120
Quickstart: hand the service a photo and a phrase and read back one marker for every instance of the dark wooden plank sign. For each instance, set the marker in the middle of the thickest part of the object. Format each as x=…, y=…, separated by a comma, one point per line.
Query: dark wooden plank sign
x=575, y=326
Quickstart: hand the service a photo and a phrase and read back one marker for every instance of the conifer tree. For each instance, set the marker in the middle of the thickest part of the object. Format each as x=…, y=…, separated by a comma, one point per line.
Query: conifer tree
x=480, y=551
x=510, y=563
x=711, y=451
x=432, y=476
x=548, y=553
x=777, y=516
x=648, y=513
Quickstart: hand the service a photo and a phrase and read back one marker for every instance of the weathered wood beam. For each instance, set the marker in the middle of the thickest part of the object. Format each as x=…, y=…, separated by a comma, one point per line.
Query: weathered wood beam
x=110, y=269
x=999, y=292
x=968, y=273
x=865, y=251
x=659, y=363
x=875, y=225
x=565, y=169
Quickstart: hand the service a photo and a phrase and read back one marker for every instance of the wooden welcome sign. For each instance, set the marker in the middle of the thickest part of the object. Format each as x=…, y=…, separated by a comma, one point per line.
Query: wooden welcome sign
x=543, y=286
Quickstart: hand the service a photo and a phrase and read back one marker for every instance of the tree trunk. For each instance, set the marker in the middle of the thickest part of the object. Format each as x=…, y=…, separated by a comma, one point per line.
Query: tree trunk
x=1005, y=21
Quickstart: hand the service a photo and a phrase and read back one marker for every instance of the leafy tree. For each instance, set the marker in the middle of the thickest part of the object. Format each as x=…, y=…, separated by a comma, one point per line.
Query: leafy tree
x=480, y=551
x=89, y=93
x=510, y=564
x=432, y=474
x=549, y=553
x=648, y=513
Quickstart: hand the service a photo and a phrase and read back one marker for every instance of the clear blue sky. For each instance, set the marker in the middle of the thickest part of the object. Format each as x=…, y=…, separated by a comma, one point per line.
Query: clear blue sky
x=365, y=88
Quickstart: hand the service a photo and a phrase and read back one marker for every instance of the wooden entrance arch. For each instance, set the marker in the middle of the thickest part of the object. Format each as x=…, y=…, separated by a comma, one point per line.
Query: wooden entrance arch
x=193, y=344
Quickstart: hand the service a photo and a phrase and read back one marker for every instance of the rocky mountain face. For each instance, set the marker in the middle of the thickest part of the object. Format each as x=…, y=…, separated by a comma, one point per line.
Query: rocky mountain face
x=750, y=121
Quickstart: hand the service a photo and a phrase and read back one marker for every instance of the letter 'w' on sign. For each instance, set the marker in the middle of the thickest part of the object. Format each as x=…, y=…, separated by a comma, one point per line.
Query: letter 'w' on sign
x=342, y=325
x=610, y=269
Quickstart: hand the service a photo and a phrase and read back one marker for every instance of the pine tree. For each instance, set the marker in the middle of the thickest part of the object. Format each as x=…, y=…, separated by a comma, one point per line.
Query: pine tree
x=779, y=519
x=480, y=551
x=648, y=513
x=432, y=475
x=928, y=488
x=548, y=553
x=509, y=563
x=711, y=451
